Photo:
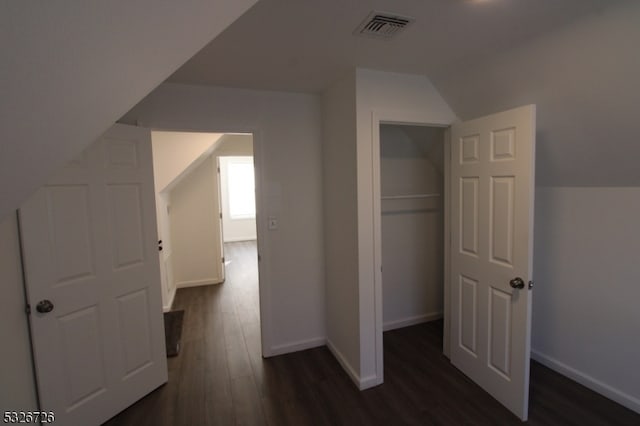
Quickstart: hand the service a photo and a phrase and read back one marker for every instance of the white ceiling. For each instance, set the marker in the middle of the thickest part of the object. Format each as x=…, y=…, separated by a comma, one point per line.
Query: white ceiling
x=577, y=60
x=305, y=45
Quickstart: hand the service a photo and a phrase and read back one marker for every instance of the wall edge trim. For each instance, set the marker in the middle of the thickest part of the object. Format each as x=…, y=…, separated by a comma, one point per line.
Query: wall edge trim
x=412, y=320
x=344, y=363
x=196, y=283
x=296, y=346
x=170, y=299
x=361, y=382
x=588, y=381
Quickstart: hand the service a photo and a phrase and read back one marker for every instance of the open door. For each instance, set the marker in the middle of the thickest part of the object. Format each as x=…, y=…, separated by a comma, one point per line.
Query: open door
x=92, y=276
x=492, y=190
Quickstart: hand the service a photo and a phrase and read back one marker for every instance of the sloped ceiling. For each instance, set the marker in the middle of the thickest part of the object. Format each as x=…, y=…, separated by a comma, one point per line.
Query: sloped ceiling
x=585, y=81
x=307, y=45
x=174, y=154
x=70, y=69
x=578, y=60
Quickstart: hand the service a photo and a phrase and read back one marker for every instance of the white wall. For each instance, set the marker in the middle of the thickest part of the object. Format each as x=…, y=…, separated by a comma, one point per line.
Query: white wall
x=17, y=390
x=77, y=67
x=234, y=144
x=173, y=154
x=195, y=234
x=285, y=126
x=341, y=223
x=583, y=78
x=392, y=94
x=586, y=318
x=412, y=229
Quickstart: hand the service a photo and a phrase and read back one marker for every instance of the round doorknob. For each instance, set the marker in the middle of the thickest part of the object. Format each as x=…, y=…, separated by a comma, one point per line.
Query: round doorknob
x=517, y=282
x=44, y=306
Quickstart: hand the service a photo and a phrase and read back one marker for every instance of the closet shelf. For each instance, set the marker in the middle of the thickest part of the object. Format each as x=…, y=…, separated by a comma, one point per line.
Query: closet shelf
x=407, y=197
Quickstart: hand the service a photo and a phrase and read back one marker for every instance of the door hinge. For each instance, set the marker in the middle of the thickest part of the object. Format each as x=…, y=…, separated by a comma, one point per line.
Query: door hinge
x=222, y=259
x=220, y=215
x=27, y=309
x=259, y=258
x=218, y=169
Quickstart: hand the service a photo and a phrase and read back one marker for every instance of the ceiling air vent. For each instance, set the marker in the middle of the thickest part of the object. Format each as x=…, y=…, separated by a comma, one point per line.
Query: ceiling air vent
x=382, y=25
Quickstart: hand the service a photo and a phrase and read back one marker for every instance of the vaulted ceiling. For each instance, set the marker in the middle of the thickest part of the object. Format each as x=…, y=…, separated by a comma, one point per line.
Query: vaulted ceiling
x=306, y=45
x=70, y=70
x=578, y=60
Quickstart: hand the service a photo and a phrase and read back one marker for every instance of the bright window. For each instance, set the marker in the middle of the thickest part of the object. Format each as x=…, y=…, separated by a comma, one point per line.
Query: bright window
x=241, y=186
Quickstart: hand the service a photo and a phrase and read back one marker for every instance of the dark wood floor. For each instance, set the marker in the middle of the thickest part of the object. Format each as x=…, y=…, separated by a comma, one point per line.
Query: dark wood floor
x=219, y=378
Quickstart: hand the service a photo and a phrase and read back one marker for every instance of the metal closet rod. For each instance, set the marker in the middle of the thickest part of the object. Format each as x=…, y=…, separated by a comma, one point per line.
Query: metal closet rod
x=405, y=197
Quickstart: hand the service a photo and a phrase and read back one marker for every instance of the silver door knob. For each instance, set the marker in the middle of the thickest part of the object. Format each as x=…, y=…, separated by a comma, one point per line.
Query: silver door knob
x=517, y=282
x=44, y=306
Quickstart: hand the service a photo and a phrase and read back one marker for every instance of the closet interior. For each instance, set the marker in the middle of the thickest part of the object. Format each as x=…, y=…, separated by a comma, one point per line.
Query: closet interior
x=412, y=222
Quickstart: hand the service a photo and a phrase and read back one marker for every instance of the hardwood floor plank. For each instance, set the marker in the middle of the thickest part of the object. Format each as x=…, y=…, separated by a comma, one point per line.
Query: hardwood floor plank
x=247, y=404
x=218, y=396
x=237, y=356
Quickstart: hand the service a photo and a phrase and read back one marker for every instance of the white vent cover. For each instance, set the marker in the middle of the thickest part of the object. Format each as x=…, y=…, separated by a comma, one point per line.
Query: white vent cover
x=382, y=25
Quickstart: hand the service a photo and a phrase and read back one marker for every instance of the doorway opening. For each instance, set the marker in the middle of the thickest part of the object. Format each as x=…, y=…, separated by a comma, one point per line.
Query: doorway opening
x=412, y=156
x=206, y=209
x=237, y=202
x=412, y=185
x=412, y=224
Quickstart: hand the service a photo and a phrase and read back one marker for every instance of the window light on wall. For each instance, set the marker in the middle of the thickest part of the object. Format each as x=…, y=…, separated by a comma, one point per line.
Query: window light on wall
x=241, y=186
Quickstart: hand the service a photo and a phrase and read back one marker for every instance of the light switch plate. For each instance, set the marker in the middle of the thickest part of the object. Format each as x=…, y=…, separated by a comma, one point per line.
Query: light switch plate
x=273, y=223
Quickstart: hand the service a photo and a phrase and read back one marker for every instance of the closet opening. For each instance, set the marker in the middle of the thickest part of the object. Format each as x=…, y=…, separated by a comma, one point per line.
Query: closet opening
x=412, y=224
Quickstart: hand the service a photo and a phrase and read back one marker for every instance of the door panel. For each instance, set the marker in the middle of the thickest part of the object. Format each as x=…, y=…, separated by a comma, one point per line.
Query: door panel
x=492, y=185
x=499, y=332
x=70, y=225
x=89, y=239
x=126, y=225
x=133, y=316
x=501, y=225
x=468, y=314
x=469, y=216
x=81, y=347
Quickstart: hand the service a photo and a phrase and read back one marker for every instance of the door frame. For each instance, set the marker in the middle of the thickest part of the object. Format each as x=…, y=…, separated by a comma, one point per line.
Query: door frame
x=223, y=268
x=407, y=118
x=266, y=331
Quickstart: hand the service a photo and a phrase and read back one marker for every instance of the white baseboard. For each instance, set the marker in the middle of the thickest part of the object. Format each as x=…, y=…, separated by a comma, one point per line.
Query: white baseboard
x=197, y=283
x=169, y=304
x=361, y=382
x=584, y=379
x=355, y=377
x=417, y=319
x=369, y=382
x=239, y=239
x=300, y=345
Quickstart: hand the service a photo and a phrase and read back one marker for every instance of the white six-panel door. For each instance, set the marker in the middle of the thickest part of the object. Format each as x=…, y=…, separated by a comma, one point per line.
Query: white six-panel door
x=492, y=189
x=90, y=248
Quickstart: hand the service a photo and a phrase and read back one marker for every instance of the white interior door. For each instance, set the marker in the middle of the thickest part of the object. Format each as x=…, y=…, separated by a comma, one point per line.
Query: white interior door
x=90, y=250
x=492, y=189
